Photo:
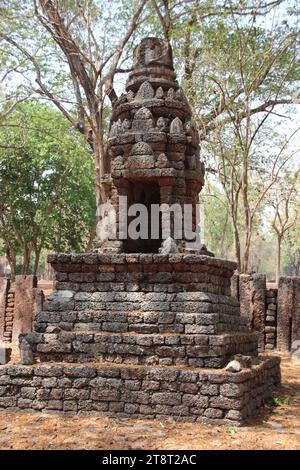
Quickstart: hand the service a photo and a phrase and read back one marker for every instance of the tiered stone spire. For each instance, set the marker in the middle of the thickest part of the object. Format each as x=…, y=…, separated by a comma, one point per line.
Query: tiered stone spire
x=153, y=139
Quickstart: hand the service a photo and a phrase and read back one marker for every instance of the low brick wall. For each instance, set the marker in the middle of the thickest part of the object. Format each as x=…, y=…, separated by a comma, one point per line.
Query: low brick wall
x=142, y=272
x=174, y=349
x=211, y=396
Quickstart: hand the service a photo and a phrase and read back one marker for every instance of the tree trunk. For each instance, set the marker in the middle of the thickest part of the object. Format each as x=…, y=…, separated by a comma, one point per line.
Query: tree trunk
x=278, y=258
x=297, y=270
x=222, y=242
x=92, y=235
x=37, y=254
x=246, y=256
x=237, y=246
x=235, y=232
x=12, y=261
x=101, y=168
x=26, y=259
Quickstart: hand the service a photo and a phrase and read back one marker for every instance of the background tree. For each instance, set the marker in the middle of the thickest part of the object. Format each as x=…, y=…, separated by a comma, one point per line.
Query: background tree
x=285, y=208
x=46, y=185
x=241, y=78
x=73, y=46
x=216, y=220
x=291, y=252
x=237, y=61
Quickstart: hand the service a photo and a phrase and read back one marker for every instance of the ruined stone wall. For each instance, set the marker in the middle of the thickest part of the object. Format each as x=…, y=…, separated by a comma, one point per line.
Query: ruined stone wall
x=273, y=312
x=213, y=397
x=4, y=290
x=20, y=301
x=141, y=335
x=141, y=308
x=288, y=317
x=271, y=319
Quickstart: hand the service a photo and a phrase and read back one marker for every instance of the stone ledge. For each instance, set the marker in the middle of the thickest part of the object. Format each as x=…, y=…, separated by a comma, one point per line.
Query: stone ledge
x=93, y=319
x=209, y=396
x=99, y=258
x=199, y=350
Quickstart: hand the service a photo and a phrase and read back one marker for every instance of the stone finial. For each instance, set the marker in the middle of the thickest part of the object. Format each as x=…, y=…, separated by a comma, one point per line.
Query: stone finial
x=159, y=93
x=162, y=161
x=143, y=120
x=141, y=148
x=178, y=94
x=151, y=52
x=161, y=123
x=26, y=354
x=130, y=96
x=146, y=92
x=176, y=126
x=171, y=93
x=126, y=124
x=143, y=113
x=115, y=129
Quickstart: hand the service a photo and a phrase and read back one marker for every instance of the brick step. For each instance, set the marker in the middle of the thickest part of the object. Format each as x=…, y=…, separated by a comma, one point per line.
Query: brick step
x=122, y=306
x=139, y=321
x=62, y=297
x=191, y=350
x=175, y=272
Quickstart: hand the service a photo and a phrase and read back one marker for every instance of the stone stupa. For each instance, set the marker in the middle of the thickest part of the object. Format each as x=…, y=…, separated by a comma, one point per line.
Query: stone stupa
x=133, y=330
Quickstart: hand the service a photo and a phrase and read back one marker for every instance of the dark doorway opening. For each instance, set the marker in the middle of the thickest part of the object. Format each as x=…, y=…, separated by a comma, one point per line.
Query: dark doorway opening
x=148, y=194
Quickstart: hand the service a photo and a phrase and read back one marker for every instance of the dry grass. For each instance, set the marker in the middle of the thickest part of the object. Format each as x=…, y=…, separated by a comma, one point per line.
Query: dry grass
x=274, y=428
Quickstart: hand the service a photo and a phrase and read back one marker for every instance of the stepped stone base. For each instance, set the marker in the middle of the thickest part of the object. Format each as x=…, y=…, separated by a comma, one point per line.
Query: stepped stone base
x=205, y=395
x=142, y=335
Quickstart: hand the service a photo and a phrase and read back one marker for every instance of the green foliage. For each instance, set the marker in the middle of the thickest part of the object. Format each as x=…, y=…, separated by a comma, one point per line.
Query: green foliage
x=277, y=401
x=216, y=224
x=232, y=431
x=46, y=181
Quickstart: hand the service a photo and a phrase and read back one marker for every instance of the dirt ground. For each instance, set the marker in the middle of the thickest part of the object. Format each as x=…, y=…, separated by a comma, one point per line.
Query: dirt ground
x=275, y=428
x=46, y=286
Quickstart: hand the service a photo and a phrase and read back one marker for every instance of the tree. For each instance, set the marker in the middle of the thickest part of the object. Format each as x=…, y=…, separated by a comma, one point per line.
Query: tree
x=236, y=70
x=237, y=75
x=247, y=175
x=285, y=210
x=291, y=251
x=46, y=185
x=216, y=223
x=90, y=60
